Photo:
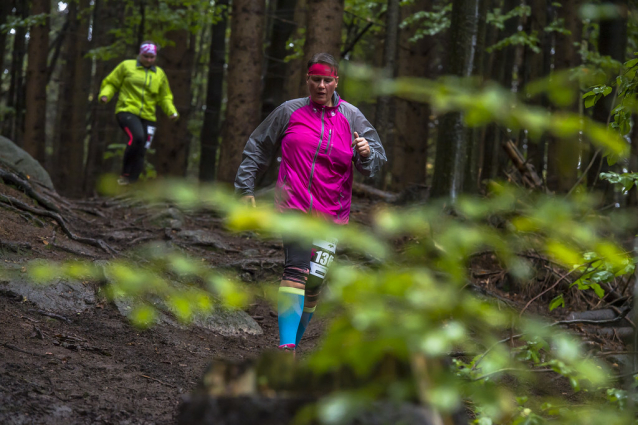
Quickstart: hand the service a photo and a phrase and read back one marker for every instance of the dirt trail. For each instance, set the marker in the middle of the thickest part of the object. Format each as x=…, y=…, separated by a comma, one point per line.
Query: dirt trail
x=93, y=367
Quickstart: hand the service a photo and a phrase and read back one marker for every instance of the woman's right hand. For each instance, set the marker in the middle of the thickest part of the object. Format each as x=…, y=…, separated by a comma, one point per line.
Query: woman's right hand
x=104, y=99
x=248, y=199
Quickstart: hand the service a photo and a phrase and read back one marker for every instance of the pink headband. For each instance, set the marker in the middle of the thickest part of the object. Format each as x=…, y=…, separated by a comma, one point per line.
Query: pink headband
x=322, y=69
x=148, y=48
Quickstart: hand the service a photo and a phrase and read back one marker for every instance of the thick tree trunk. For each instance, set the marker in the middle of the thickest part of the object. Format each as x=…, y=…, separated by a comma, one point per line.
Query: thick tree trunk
x=104, y=129
x=244, y=83
x=563, y=155
x=323, y=32
x=172, y=142
x=36, y=83
x=295, y=69
x=275, y=77
x=453, y=138
x=214, y=94
x=383, y=123
x=412, y=118
x=74, y=102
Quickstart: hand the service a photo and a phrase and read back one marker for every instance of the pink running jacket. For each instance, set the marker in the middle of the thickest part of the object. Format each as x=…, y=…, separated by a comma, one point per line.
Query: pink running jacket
x=316, y=169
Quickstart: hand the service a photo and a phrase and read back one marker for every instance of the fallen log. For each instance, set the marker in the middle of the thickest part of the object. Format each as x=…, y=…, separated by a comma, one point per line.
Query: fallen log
x=371, y=192
x=527, y=171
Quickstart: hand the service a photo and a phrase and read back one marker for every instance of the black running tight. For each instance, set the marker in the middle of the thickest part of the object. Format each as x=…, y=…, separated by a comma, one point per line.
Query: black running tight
x=140, y=135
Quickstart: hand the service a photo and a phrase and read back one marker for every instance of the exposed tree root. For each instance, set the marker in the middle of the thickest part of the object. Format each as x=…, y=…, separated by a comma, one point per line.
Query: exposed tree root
x=45, y=213
x=26, y=187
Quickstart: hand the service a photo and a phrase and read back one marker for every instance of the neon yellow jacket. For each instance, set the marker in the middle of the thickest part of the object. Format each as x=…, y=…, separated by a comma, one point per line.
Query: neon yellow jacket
x=141, y=89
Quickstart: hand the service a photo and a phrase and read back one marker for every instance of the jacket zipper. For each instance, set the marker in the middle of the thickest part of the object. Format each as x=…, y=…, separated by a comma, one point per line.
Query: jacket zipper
x=143, y=91
x=329, y=138
x=312, y=168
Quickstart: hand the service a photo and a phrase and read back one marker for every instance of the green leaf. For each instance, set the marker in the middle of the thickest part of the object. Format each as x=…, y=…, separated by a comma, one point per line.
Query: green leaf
x=558, y=301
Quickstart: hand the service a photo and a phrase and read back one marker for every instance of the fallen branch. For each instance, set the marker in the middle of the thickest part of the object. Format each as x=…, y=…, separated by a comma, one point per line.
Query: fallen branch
x=53, y=315
x=545, y=291
x=371, y=192
x=89, y=241
x=13, y=347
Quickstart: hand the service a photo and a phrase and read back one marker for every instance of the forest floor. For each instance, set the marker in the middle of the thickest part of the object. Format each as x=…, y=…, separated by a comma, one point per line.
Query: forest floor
x=94, y=367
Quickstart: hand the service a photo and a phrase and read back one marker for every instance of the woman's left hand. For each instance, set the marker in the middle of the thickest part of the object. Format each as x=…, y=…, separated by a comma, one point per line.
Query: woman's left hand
x=361, y=145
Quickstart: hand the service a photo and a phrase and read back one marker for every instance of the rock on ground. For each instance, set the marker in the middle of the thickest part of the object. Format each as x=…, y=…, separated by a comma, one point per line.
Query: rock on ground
x=22, y=162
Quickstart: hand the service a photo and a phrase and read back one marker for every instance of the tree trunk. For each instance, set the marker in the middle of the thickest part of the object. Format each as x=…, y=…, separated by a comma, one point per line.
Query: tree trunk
x=537, y=65
x=452, y=143
x=13, y=127
x=5, y=12
x=214, y=95
x=36, y=83
x=500, y=68
x=323, y=34
x=275, y=78
x=412, y=118
x=563, y=155
x=295, y=69
x=172, y=141
x=104, y=129
x=471, y=183
x=244, y=83
x=612, y=41
x=74, y=102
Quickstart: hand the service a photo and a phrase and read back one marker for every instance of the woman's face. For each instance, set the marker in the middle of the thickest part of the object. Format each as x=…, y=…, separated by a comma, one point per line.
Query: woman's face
x=147, y=59
x=321, y=88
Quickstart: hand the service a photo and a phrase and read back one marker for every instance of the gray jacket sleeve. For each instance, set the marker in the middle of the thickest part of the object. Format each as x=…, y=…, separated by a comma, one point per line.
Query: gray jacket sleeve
x=371, y=165
x=259, y=149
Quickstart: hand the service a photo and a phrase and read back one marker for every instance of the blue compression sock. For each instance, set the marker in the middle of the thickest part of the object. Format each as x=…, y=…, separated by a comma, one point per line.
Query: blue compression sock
x=290, y=305
x=303, y=323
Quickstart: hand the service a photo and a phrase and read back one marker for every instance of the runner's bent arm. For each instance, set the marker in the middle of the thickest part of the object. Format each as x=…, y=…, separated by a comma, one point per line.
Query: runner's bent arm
x=165, y=98
x=259, y=149
x=372, y=164
x=112, y=83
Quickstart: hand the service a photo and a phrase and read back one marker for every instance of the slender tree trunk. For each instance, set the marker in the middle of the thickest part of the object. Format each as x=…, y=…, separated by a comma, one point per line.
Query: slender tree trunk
x=74, y=102
x=214, y=95
x=5, y=12
x=612, y=41
x=323, y=34
x=536, y=67
x=104, y=129
x=244, y=83
x=36, y=83
x=453, y=138
x=383, y=123
x=275, y=78
x=563, y=155
x=500, y=68
x=13, y=128
x=471, y=183
x=172, y=142
x=412, y=118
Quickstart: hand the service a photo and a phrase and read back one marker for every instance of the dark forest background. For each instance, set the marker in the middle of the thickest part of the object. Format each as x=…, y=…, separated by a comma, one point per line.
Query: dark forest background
x=231, y=63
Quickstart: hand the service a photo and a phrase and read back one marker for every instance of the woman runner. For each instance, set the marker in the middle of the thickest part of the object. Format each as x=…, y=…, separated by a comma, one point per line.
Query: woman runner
x=142, y=85
x=322, y=139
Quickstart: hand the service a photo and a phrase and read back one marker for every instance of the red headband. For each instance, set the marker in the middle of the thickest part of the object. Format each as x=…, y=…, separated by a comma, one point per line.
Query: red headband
x=322, y=69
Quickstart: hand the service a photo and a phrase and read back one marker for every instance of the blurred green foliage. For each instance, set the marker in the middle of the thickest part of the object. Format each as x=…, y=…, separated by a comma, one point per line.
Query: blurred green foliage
x=404, y=294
